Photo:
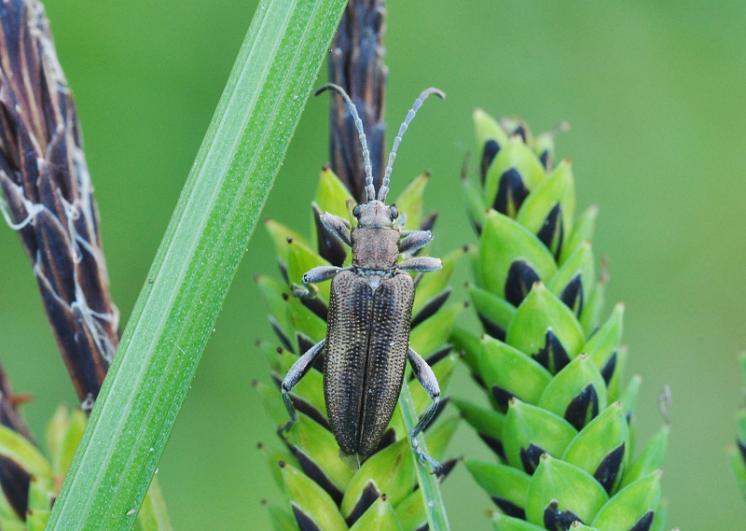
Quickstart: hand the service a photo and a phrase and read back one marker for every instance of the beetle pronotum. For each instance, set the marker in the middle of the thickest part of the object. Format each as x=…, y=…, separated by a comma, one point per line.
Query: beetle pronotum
x=370, y=311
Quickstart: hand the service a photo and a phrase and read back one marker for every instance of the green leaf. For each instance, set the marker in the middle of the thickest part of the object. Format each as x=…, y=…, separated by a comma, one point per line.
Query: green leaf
x=572, y=488
x=503, y=242
x=281, y=235
x=311, y=500
x=629, y=505
x=196, y=262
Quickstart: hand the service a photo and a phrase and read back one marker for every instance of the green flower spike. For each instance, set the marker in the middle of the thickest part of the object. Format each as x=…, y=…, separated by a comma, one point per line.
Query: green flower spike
x=738, y=454
x=559, y=415
x=323, y=488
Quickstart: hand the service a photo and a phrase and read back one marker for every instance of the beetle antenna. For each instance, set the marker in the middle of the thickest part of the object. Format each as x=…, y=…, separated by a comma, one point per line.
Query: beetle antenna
x=370, y=191
x=384, y=190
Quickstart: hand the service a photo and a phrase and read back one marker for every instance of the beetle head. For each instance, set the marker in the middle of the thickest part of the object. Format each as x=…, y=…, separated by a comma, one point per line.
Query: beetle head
x=375, y=214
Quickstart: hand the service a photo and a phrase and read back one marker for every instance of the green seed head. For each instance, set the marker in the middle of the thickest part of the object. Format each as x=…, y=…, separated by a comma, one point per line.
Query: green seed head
x=550, y=365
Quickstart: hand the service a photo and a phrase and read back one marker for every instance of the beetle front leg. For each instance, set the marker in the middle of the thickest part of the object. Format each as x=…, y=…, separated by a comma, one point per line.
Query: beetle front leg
x=320, y=274
x=429, y=382
x=294, y=375
x=420, y=264
x=338, y=226
x=414, y=241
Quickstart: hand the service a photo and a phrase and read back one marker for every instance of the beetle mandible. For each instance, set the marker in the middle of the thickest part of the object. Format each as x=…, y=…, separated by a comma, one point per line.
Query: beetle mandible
x=370, y=310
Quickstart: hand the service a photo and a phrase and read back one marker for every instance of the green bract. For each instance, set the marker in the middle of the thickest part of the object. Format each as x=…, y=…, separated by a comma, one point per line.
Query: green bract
x=324, y=489
x=64, y=432
x=551, y=367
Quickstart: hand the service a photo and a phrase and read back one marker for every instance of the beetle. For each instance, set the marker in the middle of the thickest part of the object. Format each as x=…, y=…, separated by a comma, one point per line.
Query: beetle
x=370, y=310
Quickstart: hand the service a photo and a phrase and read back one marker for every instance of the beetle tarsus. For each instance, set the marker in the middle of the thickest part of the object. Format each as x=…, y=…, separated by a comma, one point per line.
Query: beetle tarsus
x=425, y=375
x=294, y=375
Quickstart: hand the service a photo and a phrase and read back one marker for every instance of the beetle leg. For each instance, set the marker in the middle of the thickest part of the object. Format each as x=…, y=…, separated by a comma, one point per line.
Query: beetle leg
x=294, y=375
x=429, y=382
x=421, y=264
x=415, y=240
x=320, y=274
x=338, y=226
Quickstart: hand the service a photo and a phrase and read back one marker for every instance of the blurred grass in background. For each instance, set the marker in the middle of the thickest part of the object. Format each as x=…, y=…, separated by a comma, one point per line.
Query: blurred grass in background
x=656, y=97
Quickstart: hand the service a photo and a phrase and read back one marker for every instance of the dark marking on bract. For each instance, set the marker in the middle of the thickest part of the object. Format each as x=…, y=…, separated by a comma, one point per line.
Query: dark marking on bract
x=530, y=457
x=546, y=159
x=511, y=192
x=14, y=481
x=430, y=308
x=608, y=471
x=313, y=471
x=283, y=271
x=520, y=130
x=369, y=495
x=304, y=521
x=742, y=449
x=476, y=226
x=509, y=508
x=329, y=245
x=387, y=439
x=501, y=396
x=490, y=151
x=521, y=277
x=644, y=523
x=583, y=408
x=438, y=355
x=553, y=355
x=552, y=231
x=608, y=370
x=429, y=222
x=556, y=520
x=573, y=296
x=423, y=527
x=492, y=328
x=280, y=333
x=494, y=444
x=316, y=305
x=446, y=468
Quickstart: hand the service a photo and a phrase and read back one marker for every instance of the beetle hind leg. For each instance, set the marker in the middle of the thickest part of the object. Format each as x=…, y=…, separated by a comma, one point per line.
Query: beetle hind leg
x=294, y=375
x=429, y=382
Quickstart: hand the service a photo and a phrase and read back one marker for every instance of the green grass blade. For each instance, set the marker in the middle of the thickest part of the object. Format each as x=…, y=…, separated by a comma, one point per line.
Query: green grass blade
x=196, y=262
x=429, y=487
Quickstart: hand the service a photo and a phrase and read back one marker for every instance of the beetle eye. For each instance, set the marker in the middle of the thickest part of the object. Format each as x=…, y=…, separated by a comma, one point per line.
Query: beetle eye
x=356, y=211
x=393, y=212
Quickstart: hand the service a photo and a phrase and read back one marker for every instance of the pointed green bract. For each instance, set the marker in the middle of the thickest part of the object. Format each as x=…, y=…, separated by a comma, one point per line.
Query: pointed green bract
x=549, y=360
x=324, y=488
x=738, y=454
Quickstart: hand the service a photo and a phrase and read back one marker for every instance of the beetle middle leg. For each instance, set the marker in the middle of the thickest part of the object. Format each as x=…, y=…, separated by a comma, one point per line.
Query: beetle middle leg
x=429, y=382
x=421, y=264
x=415, y=240
x=294, y=375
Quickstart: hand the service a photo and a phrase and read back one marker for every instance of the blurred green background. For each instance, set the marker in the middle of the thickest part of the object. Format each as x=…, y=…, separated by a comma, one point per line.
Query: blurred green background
x=656, y=95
